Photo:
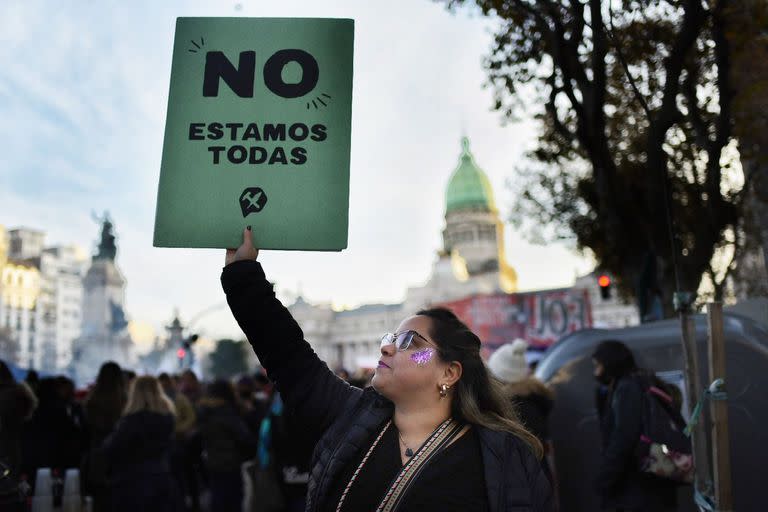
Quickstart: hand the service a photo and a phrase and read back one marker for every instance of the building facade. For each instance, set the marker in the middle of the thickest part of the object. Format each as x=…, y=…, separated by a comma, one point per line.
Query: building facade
x=60, y=305
x=608, y=313
x=40, y=299
x=471, y=262
x=19, y=294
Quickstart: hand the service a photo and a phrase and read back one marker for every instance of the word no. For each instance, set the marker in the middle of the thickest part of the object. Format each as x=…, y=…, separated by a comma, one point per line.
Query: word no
x=240, y=79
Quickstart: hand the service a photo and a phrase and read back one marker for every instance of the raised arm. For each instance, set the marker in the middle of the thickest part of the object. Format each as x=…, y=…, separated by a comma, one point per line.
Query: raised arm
x=312, y=393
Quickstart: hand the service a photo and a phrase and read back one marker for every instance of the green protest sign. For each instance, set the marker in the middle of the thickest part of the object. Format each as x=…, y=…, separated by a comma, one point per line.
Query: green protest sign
x=257, y=133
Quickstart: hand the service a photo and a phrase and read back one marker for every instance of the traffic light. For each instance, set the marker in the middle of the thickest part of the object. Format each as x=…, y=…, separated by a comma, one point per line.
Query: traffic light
x=181, y=354
x=604, y=282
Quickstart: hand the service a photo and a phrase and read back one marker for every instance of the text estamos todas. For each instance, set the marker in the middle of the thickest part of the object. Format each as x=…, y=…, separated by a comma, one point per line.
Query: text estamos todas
x=246, y=152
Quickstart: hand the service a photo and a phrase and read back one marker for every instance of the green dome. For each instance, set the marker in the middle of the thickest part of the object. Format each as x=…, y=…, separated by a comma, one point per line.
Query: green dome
x=469, y=188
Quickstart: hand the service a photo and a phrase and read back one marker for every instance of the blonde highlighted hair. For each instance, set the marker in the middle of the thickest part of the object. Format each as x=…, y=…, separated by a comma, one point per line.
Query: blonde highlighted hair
x=479, y=398
x=147, y=395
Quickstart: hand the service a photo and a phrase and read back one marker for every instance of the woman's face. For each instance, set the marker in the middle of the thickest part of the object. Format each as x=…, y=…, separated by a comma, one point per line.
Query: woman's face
x=599, y=372
x=598, y=368
x=414, y=372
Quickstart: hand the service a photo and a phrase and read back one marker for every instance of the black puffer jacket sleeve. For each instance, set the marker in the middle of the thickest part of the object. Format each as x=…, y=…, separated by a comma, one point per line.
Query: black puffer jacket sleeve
x=625, y=410
x=541, y=495
x=313, y=395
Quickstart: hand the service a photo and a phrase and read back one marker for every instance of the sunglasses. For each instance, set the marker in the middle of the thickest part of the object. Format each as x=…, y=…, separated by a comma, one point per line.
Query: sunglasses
x=401, y=340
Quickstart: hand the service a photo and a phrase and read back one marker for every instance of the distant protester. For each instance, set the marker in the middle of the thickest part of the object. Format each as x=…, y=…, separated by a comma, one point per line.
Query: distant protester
x=55, y=435
x=227, y=444
x=185, y=412
x=17, y=403
x=183, y=463
x=190, y=386
x=138, y=451
x=532, y=399
x=619, y=396
x=103, y=408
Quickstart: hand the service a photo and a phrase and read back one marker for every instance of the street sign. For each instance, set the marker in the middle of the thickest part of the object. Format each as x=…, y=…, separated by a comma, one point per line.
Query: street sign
x=257, y=133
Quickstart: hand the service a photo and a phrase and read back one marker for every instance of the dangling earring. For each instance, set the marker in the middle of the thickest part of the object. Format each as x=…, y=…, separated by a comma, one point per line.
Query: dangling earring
x=444, y=390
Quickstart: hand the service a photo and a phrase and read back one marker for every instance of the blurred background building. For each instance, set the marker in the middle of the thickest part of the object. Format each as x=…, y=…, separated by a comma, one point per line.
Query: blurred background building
x=471, y=263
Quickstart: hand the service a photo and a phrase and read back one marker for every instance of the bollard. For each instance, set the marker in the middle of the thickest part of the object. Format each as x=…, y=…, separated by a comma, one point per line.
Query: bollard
x=42, y=503
x=72, y=483
x=44, y=482
x=71, y=504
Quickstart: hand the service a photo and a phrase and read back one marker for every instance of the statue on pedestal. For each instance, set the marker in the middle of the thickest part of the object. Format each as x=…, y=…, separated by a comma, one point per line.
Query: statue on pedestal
x=107, y=249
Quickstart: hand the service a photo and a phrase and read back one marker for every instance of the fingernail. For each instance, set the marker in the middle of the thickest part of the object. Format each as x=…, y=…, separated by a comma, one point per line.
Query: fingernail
x=248, y=228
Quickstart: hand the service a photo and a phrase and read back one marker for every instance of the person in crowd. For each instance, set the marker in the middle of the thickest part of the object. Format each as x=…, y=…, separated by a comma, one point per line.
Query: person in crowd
x=362, y=378
x=32, y=379
x=39, y=440
x=343, y=373
x=282, y=440
x=621, y=485
x=128, y=375
x=183, y=432
x=55, y=435
x=254, y=410
x=103, y=408
x=190, y=386
x=227, y=443
x=263, y=390
x=185, y=412
x=532, y=399
x=138, y=451
x=73, y=436
x=245, y=388
x=433, y=432
x=17, y=404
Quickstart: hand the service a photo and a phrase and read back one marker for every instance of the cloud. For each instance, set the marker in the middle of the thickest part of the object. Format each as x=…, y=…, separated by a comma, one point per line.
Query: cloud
x=83, y=97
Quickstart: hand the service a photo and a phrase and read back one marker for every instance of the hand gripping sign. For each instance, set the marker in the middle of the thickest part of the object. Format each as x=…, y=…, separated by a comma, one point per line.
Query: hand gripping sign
x=257, y=133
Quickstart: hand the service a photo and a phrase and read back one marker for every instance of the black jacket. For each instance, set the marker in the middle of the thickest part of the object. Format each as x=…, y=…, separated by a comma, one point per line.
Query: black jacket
x=227, y=441
x=619, y=481
x=138, y=456
x=533, y=402
x=140, y=444
x=339, y=419
x=17, y=403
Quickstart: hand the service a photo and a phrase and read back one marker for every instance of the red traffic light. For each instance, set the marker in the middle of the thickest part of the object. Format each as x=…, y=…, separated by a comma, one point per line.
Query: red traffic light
x=181, y=353
x=604, y=281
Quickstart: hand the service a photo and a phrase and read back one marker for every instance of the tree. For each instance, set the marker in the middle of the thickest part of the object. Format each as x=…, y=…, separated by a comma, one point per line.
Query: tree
x=228, y=359
x=747, y=34
x=635, y=128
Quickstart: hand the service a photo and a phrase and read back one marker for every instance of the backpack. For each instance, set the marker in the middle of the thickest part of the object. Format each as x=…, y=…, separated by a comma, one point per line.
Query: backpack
x=663, y=449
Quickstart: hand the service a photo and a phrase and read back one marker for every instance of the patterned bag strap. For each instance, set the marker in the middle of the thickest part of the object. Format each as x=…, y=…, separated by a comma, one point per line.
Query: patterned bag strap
x=445, y=434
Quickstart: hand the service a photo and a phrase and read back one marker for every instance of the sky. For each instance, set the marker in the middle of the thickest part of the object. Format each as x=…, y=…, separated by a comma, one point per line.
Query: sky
x=83, y=97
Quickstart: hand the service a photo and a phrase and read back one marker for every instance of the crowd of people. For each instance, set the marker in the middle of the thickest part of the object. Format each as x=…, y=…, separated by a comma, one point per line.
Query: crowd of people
x=170, y=441
x=433, y=428
x=181, y=444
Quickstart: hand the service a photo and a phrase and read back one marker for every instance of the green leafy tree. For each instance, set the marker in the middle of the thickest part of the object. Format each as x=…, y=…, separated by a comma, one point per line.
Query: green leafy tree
x=633, y=103
x=229, y=358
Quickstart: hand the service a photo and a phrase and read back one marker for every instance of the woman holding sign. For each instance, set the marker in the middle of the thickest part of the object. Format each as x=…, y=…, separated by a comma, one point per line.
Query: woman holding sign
x=432, y=433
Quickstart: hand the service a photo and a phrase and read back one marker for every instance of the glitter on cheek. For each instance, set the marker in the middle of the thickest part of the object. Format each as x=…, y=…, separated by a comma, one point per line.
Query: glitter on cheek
x=422, y=357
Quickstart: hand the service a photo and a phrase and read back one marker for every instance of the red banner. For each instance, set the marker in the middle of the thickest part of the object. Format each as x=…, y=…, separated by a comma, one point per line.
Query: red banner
x=540, y=318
